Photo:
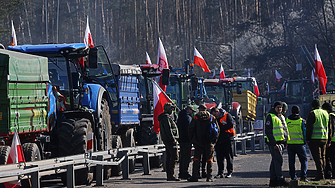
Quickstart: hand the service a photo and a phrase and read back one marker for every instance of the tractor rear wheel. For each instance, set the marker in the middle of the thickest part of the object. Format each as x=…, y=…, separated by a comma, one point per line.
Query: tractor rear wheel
x=4, y=153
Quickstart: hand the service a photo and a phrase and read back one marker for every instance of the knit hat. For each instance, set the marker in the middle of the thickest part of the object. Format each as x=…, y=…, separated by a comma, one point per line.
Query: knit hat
x=285, y=107
x=202, y=106
x=277, y=103
x=168, y=106
x=315, y=103
x=327, y=106
x=295, y=109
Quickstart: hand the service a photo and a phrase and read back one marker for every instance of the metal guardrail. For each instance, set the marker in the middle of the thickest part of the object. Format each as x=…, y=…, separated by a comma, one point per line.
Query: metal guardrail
x=114, y=157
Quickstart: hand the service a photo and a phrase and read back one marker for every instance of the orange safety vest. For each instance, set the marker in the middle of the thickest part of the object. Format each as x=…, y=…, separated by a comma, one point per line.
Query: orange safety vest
x=223, y=120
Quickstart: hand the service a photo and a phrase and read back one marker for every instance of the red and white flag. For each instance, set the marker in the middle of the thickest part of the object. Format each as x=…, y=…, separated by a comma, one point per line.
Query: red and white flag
x=213, y=74
x=88, y=37
x=320, y=71
x=256, y=89
x=162, y=62
x=278, y=76
x=200, y=61
x=313, y=77
x=14, y=41
x=283, y=87
x=15, y=156
x=222, y=75
x=148, y=61
x=160, y=98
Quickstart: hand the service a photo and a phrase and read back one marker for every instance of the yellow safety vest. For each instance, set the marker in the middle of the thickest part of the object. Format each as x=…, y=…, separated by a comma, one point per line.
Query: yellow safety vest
x=320, y=126
x=294, y=131
x=278, y=129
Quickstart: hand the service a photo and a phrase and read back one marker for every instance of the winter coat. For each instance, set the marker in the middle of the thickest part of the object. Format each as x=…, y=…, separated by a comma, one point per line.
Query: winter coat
x=168, y=128
x=183, y=122
x=225, y=136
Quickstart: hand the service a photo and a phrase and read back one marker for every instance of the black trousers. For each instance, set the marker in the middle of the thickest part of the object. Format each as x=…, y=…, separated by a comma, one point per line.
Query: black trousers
x=224, y=151
x=171, y=158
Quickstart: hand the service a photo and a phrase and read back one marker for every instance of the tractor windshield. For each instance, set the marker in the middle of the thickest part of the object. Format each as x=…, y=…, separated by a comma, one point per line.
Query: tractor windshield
x=215, y=94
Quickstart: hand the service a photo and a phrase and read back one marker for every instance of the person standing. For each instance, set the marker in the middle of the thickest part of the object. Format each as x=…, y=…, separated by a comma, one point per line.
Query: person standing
x=183, y=122
x=317, y=136
x=276, y=137
x=198, y=133
x=169, y=135
x=224, y=145
x=296, y=145
x=330, y=150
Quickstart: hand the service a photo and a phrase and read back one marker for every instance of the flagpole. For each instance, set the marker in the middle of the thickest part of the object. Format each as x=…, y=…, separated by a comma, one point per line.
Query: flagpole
x=153, y=81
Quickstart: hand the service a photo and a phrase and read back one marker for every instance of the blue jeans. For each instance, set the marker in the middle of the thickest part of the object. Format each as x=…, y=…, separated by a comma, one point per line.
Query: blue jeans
x=300, y=150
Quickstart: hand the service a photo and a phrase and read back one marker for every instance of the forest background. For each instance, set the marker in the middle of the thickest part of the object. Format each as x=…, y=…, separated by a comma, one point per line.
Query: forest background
x=261, y=35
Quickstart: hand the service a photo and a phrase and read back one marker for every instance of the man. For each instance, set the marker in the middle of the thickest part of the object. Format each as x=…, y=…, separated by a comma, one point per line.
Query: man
x=276, y=137
x=198, y=133
x=296, y=145
x=183, y=122
x=317, y=136
x=169, y=135
x=285, y=108
x=224, y=145
x=330, y=150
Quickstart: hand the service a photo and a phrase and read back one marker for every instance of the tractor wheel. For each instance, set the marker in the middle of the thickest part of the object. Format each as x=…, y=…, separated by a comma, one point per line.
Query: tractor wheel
x=4, y=153
x=73, y=134
x=117, y=143
x=128, y=140
x=31, y=152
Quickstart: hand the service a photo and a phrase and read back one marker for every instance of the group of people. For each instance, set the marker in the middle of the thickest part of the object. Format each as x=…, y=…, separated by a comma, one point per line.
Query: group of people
x=293, y=133
x=194, y=129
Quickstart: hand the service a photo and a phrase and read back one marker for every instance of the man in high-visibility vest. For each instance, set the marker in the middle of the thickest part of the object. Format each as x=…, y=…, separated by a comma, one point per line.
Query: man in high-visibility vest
x=317, y=136
x=276, y=137
x=296, y=145
x=330, y=150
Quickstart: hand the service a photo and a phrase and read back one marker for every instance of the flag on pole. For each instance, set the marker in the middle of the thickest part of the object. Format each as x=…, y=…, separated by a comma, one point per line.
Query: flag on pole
x=162, y=62
x=14, y=41
x=268, y=91
x=320, y=71
x=15, y=156
x=256, y=89
x=222, y=75
x=283, y=87
x=214, y=74
x=200, y=61
x=278, y=76
x=148, y=61
x=160, y=98
x=88, y=37
x=248, y=72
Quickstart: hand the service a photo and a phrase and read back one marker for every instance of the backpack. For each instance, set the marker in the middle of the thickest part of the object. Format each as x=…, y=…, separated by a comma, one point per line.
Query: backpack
x=213, y=131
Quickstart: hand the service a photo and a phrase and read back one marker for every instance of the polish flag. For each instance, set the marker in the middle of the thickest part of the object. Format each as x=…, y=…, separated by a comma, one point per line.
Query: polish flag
x=148, y=61
x=222, y=75
x=283, y=87
x=214, y=74
x=88, y=37
x=14, y=41
x=278, y=76
x=320, y=71
x=256, y=89
x=162, y=62
x=199, y=60
x=15, y=156
x=160, y=98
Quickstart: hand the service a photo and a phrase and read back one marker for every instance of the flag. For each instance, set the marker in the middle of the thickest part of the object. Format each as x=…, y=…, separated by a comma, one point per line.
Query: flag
x=162, y=62
x=313, y=77
x=148, y=61
x=268, y=91
x=199, y=60
x=256, y=89
x=222, y=75
x=320, y=71
x=14, y=41
x=248, y=72
x=278, y=76
x=88, y=37
x=15, y=156
x=214, y=74
x=160, y=98
x=283, y=87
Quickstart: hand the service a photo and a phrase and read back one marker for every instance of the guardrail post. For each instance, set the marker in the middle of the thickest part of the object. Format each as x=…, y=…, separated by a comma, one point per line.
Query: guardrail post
x=145, y=163
x=244, y=146
x=261, y=142
x=35, y=179
x=70, y=176
x=125, y=165
x=100, y=171
x=252, y=142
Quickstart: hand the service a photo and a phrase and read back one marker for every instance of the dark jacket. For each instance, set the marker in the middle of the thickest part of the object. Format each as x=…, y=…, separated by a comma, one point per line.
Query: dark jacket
x=225, y=136
x=199, y=128
x=303, y=124
x=168, y=128
x=309, y=127
x=269, y=128
x=183, y=122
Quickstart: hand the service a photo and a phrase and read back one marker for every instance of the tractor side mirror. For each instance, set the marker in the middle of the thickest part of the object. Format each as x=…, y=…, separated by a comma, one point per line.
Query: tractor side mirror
x=239, y=88
x=93, y=58
x=166, y=76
